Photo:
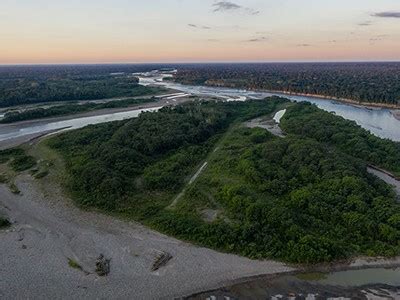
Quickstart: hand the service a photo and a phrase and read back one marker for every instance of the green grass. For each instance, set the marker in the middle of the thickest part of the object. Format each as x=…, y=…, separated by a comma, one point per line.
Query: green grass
x=73, y=264
x=41, y=174
x=18, y=160
x=3, y=178
x=22, y=163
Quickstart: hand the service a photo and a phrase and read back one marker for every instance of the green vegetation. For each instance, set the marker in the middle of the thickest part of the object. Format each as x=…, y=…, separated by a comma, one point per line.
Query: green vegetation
x=73, y=264
x=17, y=158
x=29, y=90
x=298, y=199
x=18, y=161
x=70, y=109
x=41, y=174
x=124, y=165
x=292, y=199
x=308, y=121
x=22, y=163
x=361, y=82
x=3, y=178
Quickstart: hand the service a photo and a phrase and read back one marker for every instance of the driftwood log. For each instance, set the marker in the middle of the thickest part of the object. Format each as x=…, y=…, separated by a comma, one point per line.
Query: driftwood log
x=161, y=260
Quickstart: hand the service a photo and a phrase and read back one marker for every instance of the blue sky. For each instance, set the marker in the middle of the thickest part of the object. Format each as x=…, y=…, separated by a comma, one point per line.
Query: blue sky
x=58, y=31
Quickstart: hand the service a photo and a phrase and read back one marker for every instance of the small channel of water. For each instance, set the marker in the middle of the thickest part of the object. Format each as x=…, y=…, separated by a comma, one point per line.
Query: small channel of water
x=354, y=284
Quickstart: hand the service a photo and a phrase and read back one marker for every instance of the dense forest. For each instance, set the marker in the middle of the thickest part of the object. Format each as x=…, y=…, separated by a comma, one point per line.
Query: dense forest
x=115, y=164
x=362, y=82
x=308, y=121
x=27, y=90
x=68, y=109
x=375, y=82
x=299, y=199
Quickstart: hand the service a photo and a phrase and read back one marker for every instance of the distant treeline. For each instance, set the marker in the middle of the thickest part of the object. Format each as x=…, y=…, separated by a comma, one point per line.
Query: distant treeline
x=362, y=82
x=29, y=90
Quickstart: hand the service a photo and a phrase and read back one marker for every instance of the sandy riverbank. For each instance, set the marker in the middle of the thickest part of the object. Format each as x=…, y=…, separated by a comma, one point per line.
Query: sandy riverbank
x=20, y=126
x=352, y=102
x=396, y=114
x=48, y=230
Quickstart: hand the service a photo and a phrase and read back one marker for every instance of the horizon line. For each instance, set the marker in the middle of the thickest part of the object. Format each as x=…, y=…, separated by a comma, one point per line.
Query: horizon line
x=196, y=62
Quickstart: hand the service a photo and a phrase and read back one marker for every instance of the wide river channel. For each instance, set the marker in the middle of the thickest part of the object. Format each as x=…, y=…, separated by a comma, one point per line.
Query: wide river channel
x=379, y=121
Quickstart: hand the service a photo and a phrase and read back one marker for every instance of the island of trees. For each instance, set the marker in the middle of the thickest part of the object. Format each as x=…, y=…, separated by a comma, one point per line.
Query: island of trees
x=68, y=109
x=304, y=198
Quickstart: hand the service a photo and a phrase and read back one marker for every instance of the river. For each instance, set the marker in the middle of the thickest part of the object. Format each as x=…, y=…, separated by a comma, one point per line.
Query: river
x=379, y=121
x=377, y=283
x=14, y=132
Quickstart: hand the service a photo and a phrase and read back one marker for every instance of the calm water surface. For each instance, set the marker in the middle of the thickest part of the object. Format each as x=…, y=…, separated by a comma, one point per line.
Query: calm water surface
x=11, y=132
x=354, y=284
x=380, y=122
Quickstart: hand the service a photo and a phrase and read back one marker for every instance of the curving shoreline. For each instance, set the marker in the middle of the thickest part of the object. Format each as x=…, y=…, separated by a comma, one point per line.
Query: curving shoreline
x=42, y=225
x=318, y=96
x=46, y=224
x=129, y=237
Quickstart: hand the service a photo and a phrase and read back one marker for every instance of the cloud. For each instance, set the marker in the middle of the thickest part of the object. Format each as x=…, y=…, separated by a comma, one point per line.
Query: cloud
x=259, y=39
x=199, y=26
x=387, y=14
x=304, y=45
x=379, y=37
x=226, y=6
x=367, y=23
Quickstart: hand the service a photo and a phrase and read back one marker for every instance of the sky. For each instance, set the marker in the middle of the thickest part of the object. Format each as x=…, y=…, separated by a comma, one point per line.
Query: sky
x=135, y=31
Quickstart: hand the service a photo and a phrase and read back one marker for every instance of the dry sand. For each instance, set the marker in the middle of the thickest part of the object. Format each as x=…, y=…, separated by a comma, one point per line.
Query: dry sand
x=48, y=230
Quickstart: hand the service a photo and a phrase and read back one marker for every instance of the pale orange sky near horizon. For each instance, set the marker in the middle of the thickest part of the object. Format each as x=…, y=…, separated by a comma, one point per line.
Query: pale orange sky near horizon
x=104, y=31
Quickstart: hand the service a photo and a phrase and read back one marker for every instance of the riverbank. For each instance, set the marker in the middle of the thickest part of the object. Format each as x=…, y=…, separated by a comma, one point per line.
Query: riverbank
x=48, y=232
x=378, y=284
x=396, y=114
x=22, y=126
x=356, y=103
x=47, y=224
x=370, y=105
x=386, y=176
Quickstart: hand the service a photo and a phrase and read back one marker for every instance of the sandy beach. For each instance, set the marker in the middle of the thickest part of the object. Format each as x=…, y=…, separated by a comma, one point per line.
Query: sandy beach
x=48, y=230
